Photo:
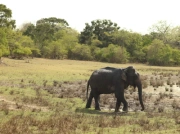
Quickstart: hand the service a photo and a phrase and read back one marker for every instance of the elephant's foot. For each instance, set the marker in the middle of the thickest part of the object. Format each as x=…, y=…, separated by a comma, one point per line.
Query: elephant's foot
x=97, y=108
x=116, y=111
x=88, y=105
x=125, y=109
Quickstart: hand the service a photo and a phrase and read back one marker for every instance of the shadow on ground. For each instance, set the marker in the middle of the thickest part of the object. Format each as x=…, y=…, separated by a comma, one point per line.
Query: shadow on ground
x=107, y=113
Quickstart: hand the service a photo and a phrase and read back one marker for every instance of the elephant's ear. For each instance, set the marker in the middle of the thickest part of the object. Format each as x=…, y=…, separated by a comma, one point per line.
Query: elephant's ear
x=124, y=77
x=138, y=75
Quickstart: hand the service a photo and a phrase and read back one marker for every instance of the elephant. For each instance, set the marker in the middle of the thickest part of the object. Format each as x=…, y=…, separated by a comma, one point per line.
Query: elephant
x=113, y=80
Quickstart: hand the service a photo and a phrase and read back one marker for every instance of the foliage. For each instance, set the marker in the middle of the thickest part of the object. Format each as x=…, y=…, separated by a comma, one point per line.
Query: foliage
x=19, y=45
x=160, y=50
x=57, y=50
x=3, y=43
x=5, y=17
x=44, y=30
x=101, y=40
x=174, y=37
x=161, y=31
x=28, y=29
x=99, y=30
x=81, y=52
x=112, y=53
x=133, y=43
x=20, y=52
x=175, y=57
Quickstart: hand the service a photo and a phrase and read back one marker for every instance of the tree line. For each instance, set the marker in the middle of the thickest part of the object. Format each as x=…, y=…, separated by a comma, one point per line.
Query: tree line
x=100, y=40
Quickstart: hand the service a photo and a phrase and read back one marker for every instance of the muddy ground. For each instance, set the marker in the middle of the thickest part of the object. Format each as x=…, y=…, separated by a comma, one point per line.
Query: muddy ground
x=161, y=92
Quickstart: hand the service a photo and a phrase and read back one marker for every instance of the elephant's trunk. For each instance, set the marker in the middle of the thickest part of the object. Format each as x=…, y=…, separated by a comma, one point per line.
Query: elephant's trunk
x=140, y=95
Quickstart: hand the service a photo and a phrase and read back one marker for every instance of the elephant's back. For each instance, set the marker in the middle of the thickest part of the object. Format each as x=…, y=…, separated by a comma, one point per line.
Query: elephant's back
x=103, y=78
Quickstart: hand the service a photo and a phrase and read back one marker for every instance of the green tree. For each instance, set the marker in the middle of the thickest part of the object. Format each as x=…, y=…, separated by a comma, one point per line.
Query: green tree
x=112, y=53
x=19, y=52
x=65, y=40
x=132, y=42
x=5, y=17
x=100, y=30
x=81, y=52
x=69, y=38
x=4, y=49
x=56, y=23
x=20, y=45
x=161, y=31
x=28, y=29
x=47, y=27
x=174, y=37
x=159, y=53
x=58, y=50
x=147, y=39
x=44, y=31
x=175, y=56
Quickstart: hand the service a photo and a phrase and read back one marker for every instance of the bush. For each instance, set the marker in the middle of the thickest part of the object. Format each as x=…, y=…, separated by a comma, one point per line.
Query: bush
x=57, y=50
x=176, y=57
x=112, y=53
x=159, y=53
x=20, y=52
x=81, y=52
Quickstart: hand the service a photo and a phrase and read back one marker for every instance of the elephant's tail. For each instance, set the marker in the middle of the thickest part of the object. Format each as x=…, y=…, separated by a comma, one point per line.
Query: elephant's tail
x=87, y=90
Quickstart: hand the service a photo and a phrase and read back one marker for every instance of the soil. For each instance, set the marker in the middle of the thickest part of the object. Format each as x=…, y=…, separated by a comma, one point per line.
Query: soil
x=160, y=92
x=12, y=105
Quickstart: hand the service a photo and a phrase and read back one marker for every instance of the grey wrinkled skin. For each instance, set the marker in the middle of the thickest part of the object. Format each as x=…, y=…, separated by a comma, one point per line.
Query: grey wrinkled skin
x=113, y=80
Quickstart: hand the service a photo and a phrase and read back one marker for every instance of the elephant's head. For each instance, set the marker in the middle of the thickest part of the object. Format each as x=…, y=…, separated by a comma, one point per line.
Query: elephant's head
x=131, y=77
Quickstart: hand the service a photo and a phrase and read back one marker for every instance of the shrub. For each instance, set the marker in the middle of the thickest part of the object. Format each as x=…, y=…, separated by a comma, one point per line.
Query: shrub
x=81, y=52
x=159, y=53
x=112, y=53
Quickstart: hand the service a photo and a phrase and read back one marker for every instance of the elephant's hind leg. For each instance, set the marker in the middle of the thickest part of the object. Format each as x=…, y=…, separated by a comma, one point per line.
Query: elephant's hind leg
x=88, y=104
x=118, y=103
x=97, y=98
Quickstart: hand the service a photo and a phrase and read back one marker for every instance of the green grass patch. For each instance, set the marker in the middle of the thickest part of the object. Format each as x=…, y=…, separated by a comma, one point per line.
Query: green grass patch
x=48, y=96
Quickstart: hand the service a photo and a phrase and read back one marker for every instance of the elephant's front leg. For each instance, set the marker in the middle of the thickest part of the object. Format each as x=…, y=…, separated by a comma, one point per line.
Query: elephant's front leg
x=96, y=97
x=123, y=100
x=119, y=93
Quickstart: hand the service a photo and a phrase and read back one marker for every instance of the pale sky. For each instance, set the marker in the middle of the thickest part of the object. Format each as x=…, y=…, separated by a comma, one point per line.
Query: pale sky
x=135, y=15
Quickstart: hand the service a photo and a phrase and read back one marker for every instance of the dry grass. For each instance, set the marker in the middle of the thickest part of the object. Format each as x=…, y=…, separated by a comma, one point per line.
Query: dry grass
x=48, y=96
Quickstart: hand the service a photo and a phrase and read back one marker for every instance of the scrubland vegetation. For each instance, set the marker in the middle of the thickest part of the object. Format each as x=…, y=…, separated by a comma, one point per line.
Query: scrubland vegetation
x=100, y=40
x=43, y=77
x=49, y=96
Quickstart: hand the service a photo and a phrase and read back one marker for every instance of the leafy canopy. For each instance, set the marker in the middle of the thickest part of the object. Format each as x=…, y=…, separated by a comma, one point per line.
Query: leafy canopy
x=5, y=17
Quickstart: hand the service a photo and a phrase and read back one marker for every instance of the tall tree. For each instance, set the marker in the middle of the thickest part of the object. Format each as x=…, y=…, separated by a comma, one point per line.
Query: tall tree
x=19, y=45
x=54, y=22
x=5, y=17
x=98, y=30
x=44, y=30
x=131, y=41
x=159, y=53
x=29, y=30
x=3, y=43
x=24, y=27
x=161, y=30
x=174, y=37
